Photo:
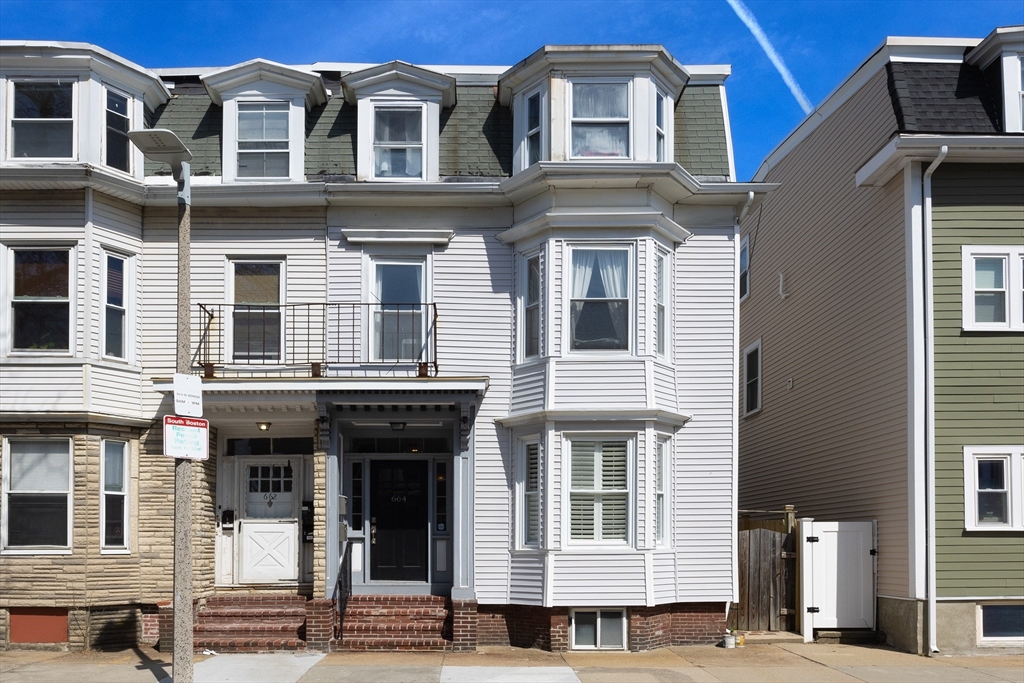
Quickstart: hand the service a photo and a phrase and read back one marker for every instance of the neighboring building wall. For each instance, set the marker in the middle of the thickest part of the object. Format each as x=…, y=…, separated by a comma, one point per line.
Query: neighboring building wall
x=839, y=335
x=979, y=391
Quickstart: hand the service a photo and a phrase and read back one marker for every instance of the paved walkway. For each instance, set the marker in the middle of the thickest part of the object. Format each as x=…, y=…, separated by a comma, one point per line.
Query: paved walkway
x=781, y=662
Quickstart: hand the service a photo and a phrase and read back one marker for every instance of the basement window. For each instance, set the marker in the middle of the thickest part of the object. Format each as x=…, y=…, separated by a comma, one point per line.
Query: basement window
x=602, y=629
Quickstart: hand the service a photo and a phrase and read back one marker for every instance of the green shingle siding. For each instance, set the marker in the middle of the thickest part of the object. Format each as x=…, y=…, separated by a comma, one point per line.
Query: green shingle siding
x=700, y=141
x=476, y=135
x=331, y=139
x=198, y=122
x=979, y=376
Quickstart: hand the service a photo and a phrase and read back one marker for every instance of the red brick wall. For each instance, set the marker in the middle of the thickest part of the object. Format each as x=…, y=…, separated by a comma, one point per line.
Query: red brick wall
x=650, y=627
x=697, y=623
x=150, y=625
x=465, y=633
x=319, y=624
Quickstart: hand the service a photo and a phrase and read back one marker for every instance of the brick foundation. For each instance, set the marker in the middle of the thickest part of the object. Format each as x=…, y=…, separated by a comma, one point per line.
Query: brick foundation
x=465, y=625
x=320, y=618
x=547, y=628
x=165, y=626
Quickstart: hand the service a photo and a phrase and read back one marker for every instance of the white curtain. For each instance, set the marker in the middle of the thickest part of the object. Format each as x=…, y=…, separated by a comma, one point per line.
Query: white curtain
x=582, y=271
x=612, y=265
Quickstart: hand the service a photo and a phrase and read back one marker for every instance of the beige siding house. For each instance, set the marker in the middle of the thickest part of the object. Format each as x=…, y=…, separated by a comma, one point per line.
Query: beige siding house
x=868, y=383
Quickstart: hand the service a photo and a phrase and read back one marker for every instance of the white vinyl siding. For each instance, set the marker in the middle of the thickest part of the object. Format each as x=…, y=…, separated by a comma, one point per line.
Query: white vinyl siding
x=599, y=492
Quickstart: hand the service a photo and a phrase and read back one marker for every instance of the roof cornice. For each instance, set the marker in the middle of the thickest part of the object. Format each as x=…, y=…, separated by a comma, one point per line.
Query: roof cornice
x=905, y=148
x=34, y=57
x=307, y=82
x=397, y=70
x=1002, y=39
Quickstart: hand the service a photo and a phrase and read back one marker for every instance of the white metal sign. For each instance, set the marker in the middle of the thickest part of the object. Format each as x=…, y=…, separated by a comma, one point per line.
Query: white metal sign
x=186, y=437
x=188, y=395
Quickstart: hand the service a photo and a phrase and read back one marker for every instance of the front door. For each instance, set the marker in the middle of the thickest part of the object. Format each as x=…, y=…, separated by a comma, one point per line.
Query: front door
x=269, y=528
x=398, y=522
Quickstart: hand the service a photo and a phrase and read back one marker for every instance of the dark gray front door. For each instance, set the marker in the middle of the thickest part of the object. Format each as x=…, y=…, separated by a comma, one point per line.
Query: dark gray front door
x=398, y=522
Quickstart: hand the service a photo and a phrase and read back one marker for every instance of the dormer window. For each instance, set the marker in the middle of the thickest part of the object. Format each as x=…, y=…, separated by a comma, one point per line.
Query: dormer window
x=398, y=141
x=263, y=139
x=42, y=124
x=600, y=120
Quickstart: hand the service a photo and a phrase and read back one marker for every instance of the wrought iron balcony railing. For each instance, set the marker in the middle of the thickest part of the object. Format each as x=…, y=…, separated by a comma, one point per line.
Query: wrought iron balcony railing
x=316, y=335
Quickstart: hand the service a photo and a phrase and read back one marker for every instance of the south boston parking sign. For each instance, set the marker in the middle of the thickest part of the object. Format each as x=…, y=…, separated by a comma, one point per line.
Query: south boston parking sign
x=186, y=437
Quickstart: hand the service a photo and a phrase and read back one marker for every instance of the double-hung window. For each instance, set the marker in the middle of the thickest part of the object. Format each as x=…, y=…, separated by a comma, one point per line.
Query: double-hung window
x=117, y=148
x=398, y=329
x=660, y=138
x=41, y=302
x=752, y=378
x=661, y=484
x=661, y=289
x=744, y=269
x=993, y=288
x=37, y=494
x=599, y=490
x=263, y=139
x=530, y=516
x=533, y=129
x=600, y=120
x=531, y=308
x=114, y=498
x=43, y=124
x=994, y=488
x=256, y=315
x=115, y=307
x=398, y=142
x=599, y=302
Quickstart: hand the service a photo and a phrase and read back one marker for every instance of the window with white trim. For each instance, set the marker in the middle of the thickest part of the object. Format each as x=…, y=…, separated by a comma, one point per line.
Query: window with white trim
x=530, y=510
x=599, y=317
x=744, y=269
x=398, y=134
x=1001, y=624
x=598, y=629
x=534, y=117
x=41, y=299
x=994, y=488
x=531, y=308
x=600, y=120
x=752, y=378
x=599, y=490
x=992, y=288
x=263, y=140
x=115, y=303
x=661, y=487
x=114, y=495
x=43, y=120
x=117, y=148
x=37, y=494
x=398, y=329
x=256, y=313
x=660, y=128
x=661, y=298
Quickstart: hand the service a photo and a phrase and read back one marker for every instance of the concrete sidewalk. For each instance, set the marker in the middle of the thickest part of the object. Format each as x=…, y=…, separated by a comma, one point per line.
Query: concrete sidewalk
x=783, y=663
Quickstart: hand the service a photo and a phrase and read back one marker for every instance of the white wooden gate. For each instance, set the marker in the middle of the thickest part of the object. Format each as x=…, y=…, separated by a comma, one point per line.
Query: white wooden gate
x=837, y=564
x=269, y=549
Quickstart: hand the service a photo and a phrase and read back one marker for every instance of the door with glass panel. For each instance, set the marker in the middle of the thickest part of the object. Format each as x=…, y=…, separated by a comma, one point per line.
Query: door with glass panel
x=256, y=325
x=398, y=326
x=269, y=528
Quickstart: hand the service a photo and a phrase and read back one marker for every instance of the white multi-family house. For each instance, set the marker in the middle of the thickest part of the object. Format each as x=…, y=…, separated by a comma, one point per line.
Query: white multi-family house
x=467, y=339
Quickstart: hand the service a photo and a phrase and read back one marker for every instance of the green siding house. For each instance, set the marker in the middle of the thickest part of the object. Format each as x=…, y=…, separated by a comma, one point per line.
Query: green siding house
x=883, y=303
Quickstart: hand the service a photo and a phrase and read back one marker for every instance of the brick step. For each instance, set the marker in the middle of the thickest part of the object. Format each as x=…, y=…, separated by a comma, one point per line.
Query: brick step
x=378, y=643
x=256, y=600
x=399, y=629
x=392, y=613
x=284, y=629
x=397, y=600
x=248, y=644
x=244, y=613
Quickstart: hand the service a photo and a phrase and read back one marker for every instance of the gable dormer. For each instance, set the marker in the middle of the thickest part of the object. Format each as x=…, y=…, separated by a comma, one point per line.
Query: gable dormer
x=593, y=102
x=398, y=120
x=264, y=107
x=1002, y=54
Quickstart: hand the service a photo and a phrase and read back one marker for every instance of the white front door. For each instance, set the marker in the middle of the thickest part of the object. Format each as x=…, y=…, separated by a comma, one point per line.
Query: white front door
x=842, y=574
x=269, y=528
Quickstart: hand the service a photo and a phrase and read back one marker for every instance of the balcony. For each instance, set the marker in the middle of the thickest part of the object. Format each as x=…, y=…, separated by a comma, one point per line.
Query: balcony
x=314, y=340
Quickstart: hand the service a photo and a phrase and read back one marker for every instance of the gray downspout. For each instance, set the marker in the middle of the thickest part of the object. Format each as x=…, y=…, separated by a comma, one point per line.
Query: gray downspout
x=929, y=380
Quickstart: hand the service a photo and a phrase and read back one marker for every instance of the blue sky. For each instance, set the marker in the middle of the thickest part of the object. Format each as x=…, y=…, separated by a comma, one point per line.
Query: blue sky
x=821, y=41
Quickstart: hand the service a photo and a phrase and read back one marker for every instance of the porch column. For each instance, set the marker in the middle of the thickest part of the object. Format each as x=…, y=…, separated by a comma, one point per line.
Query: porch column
x=321, y=440
x=462, y=512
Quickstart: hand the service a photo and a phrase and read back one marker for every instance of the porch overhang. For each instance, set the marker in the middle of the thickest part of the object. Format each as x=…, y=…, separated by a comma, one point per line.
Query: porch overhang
x=904, y=148
x=310, y=388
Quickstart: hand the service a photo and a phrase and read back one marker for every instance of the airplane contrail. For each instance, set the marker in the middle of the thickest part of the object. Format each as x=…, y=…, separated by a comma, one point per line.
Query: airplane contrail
x=747, y=17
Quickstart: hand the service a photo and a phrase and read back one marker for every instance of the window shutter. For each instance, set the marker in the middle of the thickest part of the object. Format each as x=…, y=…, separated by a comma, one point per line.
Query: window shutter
x=532, y=498
x=582, y=516
x=613, y=516
x=583, y=464
x=613, y=466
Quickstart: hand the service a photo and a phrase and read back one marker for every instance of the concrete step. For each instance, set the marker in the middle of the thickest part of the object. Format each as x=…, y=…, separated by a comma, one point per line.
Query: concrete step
x=845, y=636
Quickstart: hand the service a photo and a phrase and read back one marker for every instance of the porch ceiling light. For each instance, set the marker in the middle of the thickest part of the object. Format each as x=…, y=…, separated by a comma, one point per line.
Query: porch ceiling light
x=263, y=426
x=397, y=426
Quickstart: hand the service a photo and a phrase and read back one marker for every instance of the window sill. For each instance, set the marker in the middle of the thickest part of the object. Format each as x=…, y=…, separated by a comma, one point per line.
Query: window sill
x=115, y=551
x=752, y=413
x=36, y=551
x=992, y=328
x=999, y=528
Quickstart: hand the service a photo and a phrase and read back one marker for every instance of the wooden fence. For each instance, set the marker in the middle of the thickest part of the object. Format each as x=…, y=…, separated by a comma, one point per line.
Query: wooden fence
x=767, y=574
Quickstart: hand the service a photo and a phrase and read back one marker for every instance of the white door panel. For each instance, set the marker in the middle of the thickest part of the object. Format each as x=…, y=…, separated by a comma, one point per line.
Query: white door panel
x=842, y=574
x=269, y=550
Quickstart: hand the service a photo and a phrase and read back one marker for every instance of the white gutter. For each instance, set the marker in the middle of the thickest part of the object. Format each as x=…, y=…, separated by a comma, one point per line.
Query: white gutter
x=929, y=380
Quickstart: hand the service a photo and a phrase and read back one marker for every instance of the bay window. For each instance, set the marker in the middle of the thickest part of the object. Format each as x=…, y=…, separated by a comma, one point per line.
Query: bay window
x=42, y=125
x=600, y=120
x=115, y=307
x=37, y=494
x=41, y=302
x=599, y=302
x=530, y=515
x=398, y=142
x=599, y=491
x=661, y=483
x=263, y=140
x=531, y=308
x=660, y=138
x=256, y=316
x=533, y=129
x=661, y=289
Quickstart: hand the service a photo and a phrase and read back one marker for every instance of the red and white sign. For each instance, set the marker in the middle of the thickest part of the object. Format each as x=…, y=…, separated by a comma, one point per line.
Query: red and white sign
x=186, y=437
